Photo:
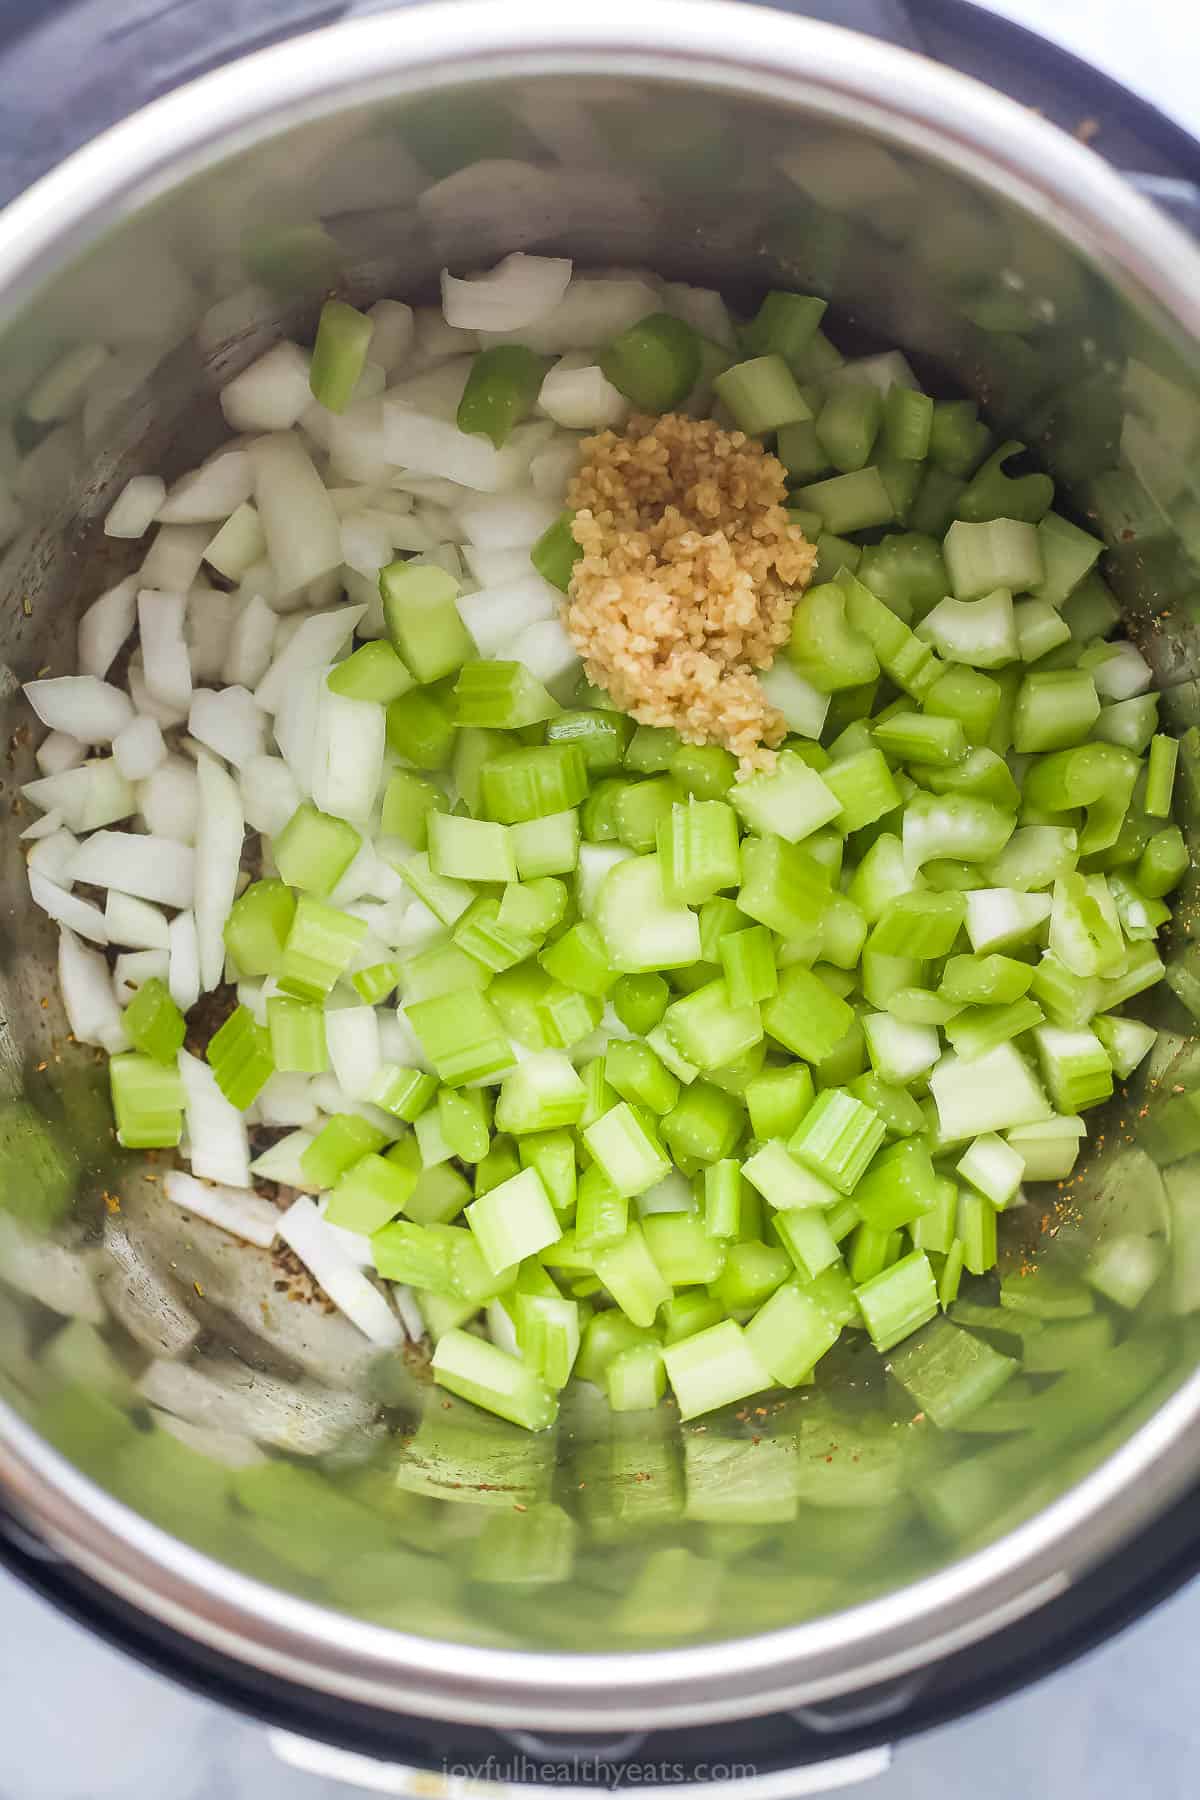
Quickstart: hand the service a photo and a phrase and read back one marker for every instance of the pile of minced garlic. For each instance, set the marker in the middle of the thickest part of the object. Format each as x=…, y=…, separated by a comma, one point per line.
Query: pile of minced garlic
x=688, y=577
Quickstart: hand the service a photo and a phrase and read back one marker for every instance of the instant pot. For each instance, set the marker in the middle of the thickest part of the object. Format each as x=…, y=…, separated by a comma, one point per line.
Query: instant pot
x=185, y=184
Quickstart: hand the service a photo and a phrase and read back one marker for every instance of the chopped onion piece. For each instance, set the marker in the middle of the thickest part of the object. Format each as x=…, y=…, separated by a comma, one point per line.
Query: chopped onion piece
x=49, y=825
x=286, y=1100
x=495, y=616
x=136, y=507
x=592, y=311
x=133, y=968
x=582, y=397
x=165, y=659
x=139, y=749
x=183, y=976
x=228, y=722
x=303, y=1229
x=517, y=292
x=282, y=1162
x=207, y=627
x=210, y=493
x=270, y=394
x=318, y=639
x=352, y=1034
x=392, y=334
x=546, y=651
x=105, y=625
x=269, y=794
x=238, y=545
x=220, y=829
x=58, y=752
x=94, y=794
x=134, y=923
x=52, y=856
x=553, y=467
x=91, y=710
x=218, y=1147
x=496, y=568
x=145, y=703
x=173, y=560
x=701, y=308
x=251, y=643
x=304, y=538
x=245, y=1215
x=169, y=800
x=67, y=908
x=432, y=446
x=296, y=725
x=149, y=868
x=502, y=521
x=90, y=1005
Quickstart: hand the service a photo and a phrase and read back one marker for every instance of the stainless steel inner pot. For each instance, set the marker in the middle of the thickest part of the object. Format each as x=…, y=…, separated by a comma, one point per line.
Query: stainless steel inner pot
x=711, y=143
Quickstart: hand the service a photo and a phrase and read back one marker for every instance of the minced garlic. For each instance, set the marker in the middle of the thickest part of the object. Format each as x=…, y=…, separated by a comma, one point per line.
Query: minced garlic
x=688, y=577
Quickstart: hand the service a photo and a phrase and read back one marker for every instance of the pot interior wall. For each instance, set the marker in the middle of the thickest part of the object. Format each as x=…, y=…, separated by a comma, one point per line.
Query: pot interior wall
x=381, y=1498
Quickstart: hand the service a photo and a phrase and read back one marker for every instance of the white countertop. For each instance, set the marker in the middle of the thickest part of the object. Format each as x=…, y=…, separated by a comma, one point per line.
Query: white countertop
x=77, y=1720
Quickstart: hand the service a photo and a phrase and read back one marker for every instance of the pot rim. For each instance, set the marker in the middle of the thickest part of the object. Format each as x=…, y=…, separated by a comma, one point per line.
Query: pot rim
x=921, y=106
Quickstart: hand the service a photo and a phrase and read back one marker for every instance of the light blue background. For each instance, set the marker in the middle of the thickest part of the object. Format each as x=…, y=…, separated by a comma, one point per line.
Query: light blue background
x=77, y=1720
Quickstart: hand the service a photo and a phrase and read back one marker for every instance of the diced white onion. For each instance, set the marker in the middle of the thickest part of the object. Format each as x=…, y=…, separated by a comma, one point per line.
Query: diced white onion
x=496, y=568
x=282, y=1161
x=165, y=660
x=251, y=643
x=354, y=440
x=1120, y=676
x=94, y=794
x=139, y=749
x=367, y=541
x=546, y=651
x=582, y=397
x=592, y=311
x=247, y=1216
x=91, y=1009
x=238, y=545
x=286, y=1100
x=406, y=1306
x=58, y=752
x=133, y=968
x=183, y=973
x=52, y=856
x=502, y=521
x=552, y=468
x=220, y=829
x=270, y=394
x=701, y=308
x=495, y=616
x=392, y=334
x=317, y=640
x=67, y=908
x=134, y=923
x=173, y=560
x=269, y=794
x=303, y=1229
x=352, y=1035
x=169, y=800
x=210, y=493
x=105, y=625
x=517, y=292
x=217, y=1143
x=431, y=446
x=304, y=538
x=49, y=825
x=145, y=703
x=149, y=868
x=207, y=628
x=227, y=721
x=136, y=507
x=91, y=710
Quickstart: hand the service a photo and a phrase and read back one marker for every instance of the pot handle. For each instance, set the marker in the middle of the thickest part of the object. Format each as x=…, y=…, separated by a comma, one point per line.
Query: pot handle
x=1178, y=198
x=496, y=1779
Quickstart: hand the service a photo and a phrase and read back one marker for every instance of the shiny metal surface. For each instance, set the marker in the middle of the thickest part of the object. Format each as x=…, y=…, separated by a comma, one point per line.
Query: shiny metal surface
x=708, y=142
